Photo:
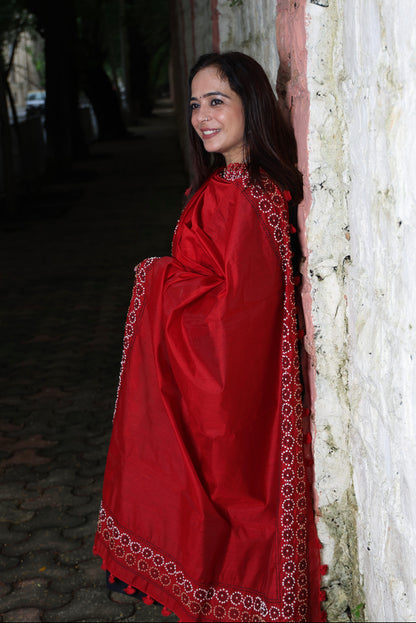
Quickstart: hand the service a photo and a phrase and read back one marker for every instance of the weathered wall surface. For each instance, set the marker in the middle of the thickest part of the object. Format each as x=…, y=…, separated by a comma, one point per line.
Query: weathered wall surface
x=309, y=50
x=328, y=260
x=361, y=235
x=379, y=99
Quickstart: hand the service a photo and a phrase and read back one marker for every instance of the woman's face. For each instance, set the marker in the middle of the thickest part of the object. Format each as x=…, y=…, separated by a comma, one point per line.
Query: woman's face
x=217, y=115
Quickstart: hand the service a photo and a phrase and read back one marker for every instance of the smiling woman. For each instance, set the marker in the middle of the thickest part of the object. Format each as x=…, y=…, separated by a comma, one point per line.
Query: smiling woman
x=218, y=115
x=207, y=493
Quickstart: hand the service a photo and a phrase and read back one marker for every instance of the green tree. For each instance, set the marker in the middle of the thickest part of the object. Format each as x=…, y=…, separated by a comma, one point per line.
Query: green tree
x=14, y=19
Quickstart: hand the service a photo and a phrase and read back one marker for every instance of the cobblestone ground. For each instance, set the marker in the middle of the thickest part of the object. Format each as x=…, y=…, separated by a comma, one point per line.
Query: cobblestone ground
x=66, y=278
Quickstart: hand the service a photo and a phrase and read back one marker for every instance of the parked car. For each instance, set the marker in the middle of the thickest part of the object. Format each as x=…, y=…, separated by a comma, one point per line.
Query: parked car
x=35, y=103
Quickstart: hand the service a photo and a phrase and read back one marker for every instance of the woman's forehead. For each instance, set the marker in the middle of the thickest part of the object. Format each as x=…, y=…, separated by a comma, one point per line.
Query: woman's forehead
x=209, y=80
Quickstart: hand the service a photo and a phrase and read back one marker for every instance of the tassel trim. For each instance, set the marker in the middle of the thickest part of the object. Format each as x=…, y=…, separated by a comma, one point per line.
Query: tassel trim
x=129, y=590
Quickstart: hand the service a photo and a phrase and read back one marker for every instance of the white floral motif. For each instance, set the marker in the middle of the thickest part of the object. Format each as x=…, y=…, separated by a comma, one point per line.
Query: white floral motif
x=269, y=202
x=136, y=305
x=217, y=597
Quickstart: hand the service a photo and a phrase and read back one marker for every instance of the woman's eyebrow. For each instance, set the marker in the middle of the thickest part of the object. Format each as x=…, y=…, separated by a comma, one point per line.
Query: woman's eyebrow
x=210, y=94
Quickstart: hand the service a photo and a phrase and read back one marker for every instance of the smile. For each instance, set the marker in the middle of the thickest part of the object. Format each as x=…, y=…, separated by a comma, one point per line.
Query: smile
x=208, y=133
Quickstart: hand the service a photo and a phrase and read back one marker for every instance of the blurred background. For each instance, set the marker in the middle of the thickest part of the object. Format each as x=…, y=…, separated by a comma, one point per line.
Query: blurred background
x=70, y=73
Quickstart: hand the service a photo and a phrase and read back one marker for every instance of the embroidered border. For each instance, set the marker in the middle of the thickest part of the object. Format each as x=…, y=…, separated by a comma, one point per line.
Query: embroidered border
x=134, y=312
x=270, y=204
x=218, y=602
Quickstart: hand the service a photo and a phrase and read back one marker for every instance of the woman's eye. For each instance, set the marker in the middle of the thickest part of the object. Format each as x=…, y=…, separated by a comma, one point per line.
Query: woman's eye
x=194, y=106
x=216, y=102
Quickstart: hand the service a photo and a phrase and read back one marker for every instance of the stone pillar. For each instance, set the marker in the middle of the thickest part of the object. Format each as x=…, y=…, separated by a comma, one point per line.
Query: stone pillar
x=361, y=235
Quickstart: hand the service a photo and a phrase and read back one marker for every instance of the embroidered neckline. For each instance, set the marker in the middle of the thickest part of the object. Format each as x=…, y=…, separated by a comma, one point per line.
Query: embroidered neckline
x=233, y=171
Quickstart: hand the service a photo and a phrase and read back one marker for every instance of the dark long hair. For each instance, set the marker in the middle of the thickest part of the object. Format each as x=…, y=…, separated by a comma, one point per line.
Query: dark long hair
x=269, y=140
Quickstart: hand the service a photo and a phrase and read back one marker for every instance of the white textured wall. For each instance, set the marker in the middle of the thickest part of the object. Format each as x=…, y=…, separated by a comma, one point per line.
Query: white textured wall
x=379, y=97
x=328, y=245
x=362, y=82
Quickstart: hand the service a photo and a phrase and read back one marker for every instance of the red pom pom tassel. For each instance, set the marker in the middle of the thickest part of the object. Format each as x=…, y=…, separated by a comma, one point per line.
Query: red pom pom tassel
x=287, y=195
x=324, y=616
x=292, y=229
x=148, y=600
x=324, y=569
x=111, y=578
x=166, y=612
x=296, y=280
x=307, y=438
x=322, y=595
x=129, y=590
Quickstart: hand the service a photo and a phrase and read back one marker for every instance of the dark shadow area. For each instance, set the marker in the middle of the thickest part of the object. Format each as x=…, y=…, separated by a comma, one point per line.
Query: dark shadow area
x=88, y=70
x=69, y=240
x=67, y=274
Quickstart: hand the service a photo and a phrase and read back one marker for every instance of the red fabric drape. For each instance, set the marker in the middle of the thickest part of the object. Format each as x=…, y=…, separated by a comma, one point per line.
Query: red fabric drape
x=206, y=501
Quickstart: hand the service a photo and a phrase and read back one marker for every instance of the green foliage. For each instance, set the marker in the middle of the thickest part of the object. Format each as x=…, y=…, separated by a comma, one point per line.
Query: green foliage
x=14, y=19
x=357, y=612
x=38, y=57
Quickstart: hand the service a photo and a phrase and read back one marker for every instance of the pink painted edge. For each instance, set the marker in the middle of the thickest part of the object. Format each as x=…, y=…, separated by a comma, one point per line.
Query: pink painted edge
x=291, y=44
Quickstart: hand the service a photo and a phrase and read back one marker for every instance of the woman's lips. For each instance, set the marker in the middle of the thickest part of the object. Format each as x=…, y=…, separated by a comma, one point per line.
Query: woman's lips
x=209, y=133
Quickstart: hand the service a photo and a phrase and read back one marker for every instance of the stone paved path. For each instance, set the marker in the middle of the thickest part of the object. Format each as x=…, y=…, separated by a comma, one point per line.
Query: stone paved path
x=66, y=279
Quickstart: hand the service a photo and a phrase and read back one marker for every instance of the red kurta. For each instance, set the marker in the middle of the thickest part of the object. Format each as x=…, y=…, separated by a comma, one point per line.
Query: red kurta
x=206, y=502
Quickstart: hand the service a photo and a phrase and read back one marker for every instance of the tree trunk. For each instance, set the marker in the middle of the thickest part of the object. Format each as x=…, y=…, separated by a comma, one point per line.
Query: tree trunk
x=18, y=134
x=65, y=138
x=9, y=178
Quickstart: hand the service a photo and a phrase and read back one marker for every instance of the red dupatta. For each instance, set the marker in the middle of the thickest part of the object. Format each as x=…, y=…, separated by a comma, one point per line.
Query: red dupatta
x=206, y=500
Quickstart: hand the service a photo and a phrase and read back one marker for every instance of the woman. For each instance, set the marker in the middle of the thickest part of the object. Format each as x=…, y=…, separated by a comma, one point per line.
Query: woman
x=206, y=502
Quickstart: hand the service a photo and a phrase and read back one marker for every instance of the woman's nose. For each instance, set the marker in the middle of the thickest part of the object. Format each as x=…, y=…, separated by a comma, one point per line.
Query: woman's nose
x=203, y=113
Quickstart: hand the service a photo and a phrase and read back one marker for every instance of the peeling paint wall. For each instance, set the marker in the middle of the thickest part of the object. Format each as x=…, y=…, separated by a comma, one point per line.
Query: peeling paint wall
x=328, y=261
x=361, y=237
x=379, y=99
